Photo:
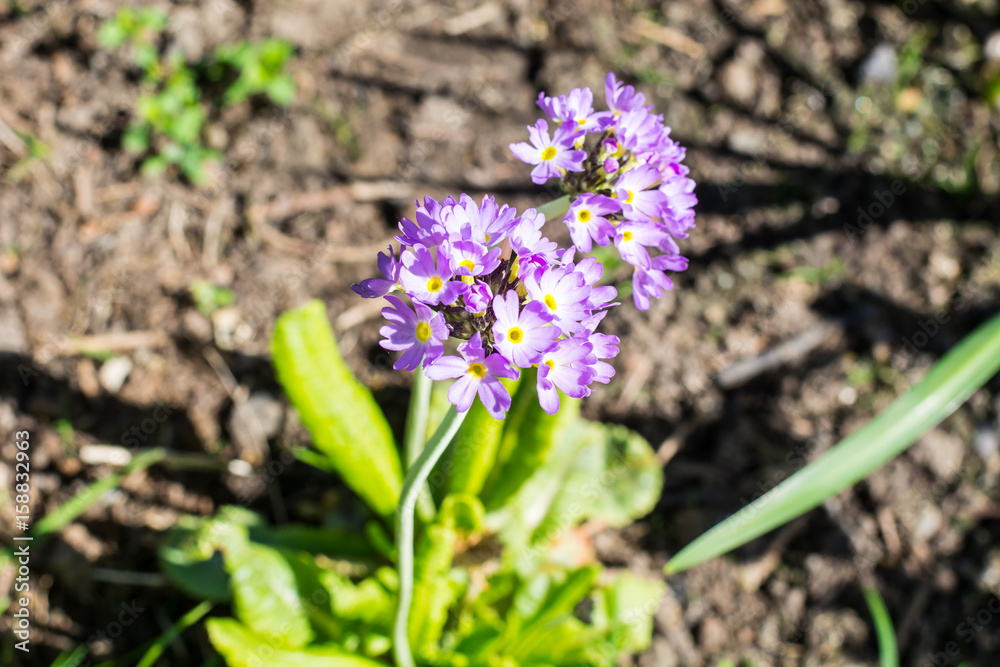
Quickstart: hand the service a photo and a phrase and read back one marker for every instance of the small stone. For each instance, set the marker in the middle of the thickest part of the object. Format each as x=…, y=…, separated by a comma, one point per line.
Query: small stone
x=114, y=372
x=225, y=322
x=880, y=65
x=992, y=48
x=738, y=80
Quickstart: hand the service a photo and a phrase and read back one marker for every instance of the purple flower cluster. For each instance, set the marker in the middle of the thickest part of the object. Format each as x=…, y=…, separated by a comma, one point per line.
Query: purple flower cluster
x=628, y=187
x=482, y=274
x=488, y=277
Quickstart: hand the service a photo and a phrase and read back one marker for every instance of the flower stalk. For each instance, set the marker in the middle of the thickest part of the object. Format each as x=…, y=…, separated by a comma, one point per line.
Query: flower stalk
x=413, y=484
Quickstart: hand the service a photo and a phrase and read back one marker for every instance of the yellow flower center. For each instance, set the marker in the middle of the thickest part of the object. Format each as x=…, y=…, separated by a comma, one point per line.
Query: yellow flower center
x=467, y=263
x=423, y=331
x=434, y=284
x=583, y=215
x=551, y=364
x=549, y=153
x=515, y=335
x=478, y=370
x=630, y=195
x=627, y=236
x=487, y=238
x=550, y=301
x=581, y=121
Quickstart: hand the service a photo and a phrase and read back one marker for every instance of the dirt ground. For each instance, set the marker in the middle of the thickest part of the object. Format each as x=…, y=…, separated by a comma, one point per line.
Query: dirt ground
x=848, y=178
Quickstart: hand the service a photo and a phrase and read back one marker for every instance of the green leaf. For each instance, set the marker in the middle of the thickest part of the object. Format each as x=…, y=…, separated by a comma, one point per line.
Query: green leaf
x=111, y=34
x=82, y=501
x=71, y=658
x=242, y=647
x=266, y=595
x=463, y=511
x=473, y=452
x=625, y=610
x=433, y=591
x=172, y=633
x=281, y=89
x=154, y=166
x=208, y=298
x=946, y=386
x=614, y=477
x=560, y=602
x=136, y=139
x=887, y=650
x=341, y=544
x=345, y=421
x=528, y=437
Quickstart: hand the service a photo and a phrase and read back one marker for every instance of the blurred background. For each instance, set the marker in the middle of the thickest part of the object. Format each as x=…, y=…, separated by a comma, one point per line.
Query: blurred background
x=846, y=155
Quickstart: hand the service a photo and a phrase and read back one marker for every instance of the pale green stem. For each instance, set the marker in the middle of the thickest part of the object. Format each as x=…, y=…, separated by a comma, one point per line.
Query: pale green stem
x=417, y=415
x=416, y=432
x=556, y=208
x=412, y=486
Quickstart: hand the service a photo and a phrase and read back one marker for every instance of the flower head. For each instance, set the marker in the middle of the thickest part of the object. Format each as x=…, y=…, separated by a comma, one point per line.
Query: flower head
x=482, y=274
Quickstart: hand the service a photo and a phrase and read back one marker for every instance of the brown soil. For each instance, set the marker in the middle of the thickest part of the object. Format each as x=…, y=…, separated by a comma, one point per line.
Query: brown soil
x=790, y=142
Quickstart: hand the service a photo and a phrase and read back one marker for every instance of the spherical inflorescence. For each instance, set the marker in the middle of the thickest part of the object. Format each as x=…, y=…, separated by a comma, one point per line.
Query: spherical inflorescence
x=484, y=275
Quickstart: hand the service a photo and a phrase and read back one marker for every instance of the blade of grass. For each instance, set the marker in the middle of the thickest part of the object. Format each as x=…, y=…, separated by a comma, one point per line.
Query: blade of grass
x=966, y=368
x=164, y=640
x=71, y=658
x=82, y=501
x=888, y=654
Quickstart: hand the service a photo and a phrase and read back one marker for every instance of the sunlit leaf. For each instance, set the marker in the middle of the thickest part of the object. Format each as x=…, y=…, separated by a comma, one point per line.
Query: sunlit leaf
x=346, y=423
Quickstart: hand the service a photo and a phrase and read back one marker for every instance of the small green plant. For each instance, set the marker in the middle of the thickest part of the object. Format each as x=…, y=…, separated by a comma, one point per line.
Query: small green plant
x=138, y=26
x=261, y=69
x=499, y=577
x=209, y=298
x=171, y=114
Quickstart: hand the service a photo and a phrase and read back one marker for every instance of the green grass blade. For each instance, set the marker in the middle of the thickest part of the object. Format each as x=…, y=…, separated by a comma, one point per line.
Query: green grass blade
x=946, y=386
x=164, y=640
x=71, y=658
x=888, y=654
x=81, y=502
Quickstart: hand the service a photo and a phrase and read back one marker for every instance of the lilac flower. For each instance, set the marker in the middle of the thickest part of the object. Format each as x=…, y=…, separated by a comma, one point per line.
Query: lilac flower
x=587, y=223
x=521, y=336
x=564, y=294
x=478, y=298
x=421, y=334
x=427, y=281
x=564, y=366
x=636, y=200
x=549, y=154
x=534, y=251
x=576, y=110
x=621, y=99
x=604, y=346
x=640, y=132
x=477, y=374
x=427, y=230
x=632, y=239
x=371, y=288
x=470, y=258
x=652, y=282
x=484, y=223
